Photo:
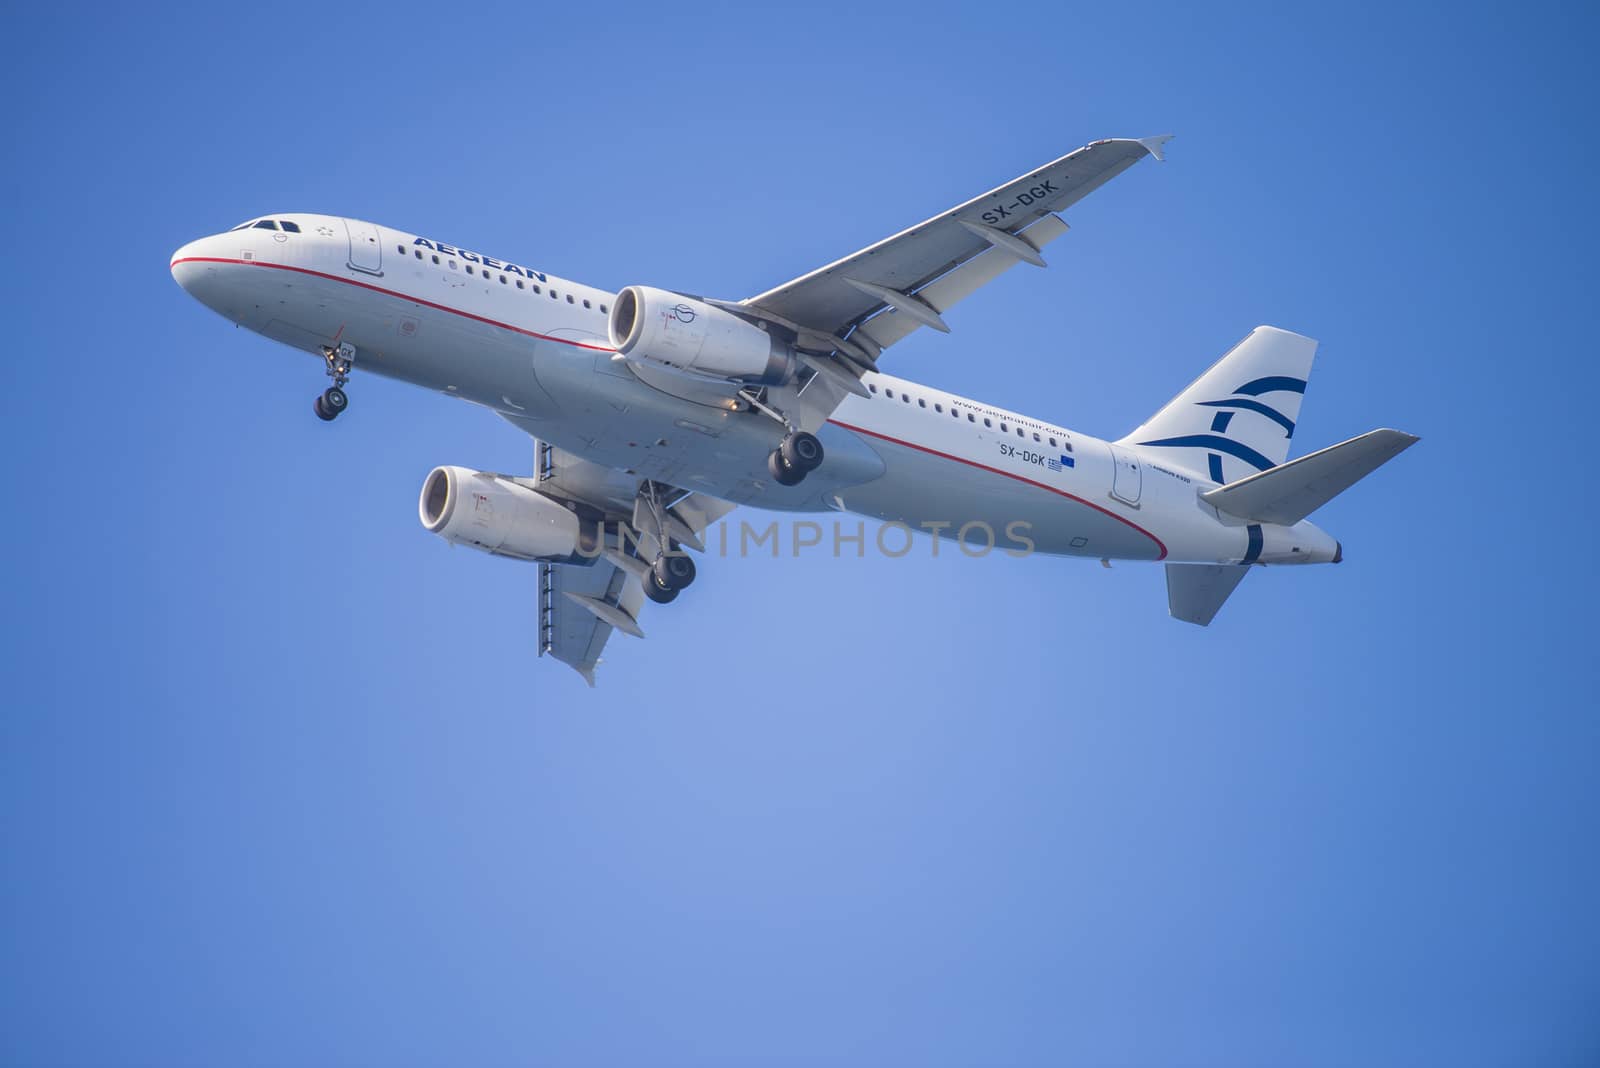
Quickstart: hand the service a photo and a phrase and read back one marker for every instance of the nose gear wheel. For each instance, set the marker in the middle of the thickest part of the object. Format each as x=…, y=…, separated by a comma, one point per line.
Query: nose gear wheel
x=333, y=400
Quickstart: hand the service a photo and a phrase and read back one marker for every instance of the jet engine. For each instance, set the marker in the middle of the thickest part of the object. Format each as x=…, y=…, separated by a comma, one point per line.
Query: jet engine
x=490, y=513
x=690, y=335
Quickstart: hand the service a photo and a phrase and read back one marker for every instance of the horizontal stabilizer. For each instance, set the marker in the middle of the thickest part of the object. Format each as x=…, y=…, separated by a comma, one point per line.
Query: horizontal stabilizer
x=1196, y=591
x=1289, y=492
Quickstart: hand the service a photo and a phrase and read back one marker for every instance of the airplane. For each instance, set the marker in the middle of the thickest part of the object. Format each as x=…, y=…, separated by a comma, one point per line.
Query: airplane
x=655, y=413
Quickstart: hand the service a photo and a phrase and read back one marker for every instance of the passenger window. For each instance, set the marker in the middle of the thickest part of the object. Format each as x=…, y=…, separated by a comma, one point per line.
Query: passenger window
x=502, y=279
x=1067, y=445
x=1020, y=433
x=1052, y=443
x=436, y=261
x=921, y=403
x=519, y=284
x=452, y=265
x=905, y=397
x=569, y=298
x=294, y=228
x=398, y=248
x=970, y=419
x=889, y=393
x=1035, y=437
x=417, y=252
x=602, y=309
x=266, y=224
x=536, y=289
x=586, y=304
x=1004, y=428
x=469, y=268
x=986, y=422
x=872, y=388
x=938, y=408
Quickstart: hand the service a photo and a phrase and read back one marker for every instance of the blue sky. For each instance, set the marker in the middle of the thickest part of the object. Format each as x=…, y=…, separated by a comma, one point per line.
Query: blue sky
x=282, y=782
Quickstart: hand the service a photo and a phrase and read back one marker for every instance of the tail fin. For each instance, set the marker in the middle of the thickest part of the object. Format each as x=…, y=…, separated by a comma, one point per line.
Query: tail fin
x=1238, y=417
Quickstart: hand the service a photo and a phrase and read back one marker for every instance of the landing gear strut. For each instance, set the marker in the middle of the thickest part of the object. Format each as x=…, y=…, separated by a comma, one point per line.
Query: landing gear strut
x=331, y=401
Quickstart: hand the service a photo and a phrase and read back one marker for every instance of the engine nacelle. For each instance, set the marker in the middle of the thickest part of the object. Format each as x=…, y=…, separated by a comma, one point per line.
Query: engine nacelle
x=690, y=335
x=466, y=507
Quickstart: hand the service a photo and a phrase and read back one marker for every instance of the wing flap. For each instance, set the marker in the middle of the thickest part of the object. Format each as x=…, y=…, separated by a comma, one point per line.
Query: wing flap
x=570, y=632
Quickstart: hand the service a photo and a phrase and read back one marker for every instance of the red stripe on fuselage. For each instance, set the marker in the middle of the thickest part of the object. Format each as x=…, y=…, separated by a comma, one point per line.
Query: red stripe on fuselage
x=600, y=348
x=1007, y=474
x=395, y=293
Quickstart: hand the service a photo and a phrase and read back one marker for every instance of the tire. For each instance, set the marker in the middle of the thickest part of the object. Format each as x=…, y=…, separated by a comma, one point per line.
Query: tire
x=674, y=572
x=334, y=400
x=656, y=592
x=782, y=473
x=802, y=451
x=322, y=412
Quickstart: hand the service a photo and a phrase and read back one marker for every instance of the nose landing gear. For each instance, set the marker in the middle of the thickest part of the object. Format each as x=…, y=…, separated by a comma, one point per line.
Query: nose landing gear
x=331, y=401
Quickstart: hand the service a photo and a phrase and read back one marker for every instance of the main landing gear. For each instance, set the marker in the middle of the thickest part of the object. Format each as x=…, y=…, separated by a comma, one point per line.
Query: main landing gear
x=797, y=455
x=672, y=570
x=669, y=576
x=331, y=401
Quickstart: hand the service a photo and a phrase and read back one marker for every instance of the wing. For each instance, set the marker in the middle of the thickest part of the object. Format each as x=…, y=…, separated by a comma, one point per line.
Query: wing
x=581, y=604
x=860, y=305
x=574, y=603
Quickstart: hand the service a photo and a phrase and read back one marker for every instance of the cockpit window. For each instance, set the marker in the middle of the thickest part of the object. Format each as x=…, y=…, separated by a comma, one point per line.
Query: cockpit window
x=244, y=226
x=293, y=228
x=266, y=224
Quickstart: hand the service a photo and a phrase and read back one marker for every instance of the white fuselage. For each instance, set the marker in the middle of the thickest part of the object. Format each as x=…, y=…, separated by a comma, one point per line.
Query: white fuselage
x=534, y=348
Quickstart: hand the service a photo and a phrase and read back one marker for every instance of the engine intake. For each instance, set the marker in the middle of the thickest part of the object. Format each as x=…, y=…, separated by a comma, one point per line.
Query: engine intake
x=691, y=335
x=482, y=511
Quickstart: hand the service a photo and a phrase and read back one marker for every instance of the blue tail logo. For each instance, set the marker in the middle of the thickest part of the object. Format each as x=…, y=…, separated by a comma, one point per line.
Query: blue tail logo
x=1244, y=399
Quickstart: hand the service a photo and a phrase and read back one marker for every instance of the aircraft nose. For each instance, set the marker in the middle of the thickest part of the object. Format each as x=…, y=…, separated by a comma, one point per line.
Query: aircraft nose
x=184, y=263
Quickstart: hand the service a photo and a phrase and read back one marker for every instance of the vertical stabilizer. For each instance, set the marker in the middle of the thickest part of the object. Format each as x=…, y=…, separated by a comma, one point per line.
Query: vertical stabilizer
x=1238, y=417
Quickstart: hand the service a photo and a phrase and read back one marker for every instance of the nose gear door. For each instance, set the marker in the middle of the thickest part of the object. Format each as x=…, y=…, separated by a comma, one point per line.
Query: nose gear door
x=366, y=247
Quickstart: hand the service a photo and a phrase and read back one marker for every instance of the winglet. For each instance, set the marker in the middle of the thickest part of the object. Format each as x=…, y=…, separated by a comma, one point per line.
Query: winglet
x=1156, y=146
